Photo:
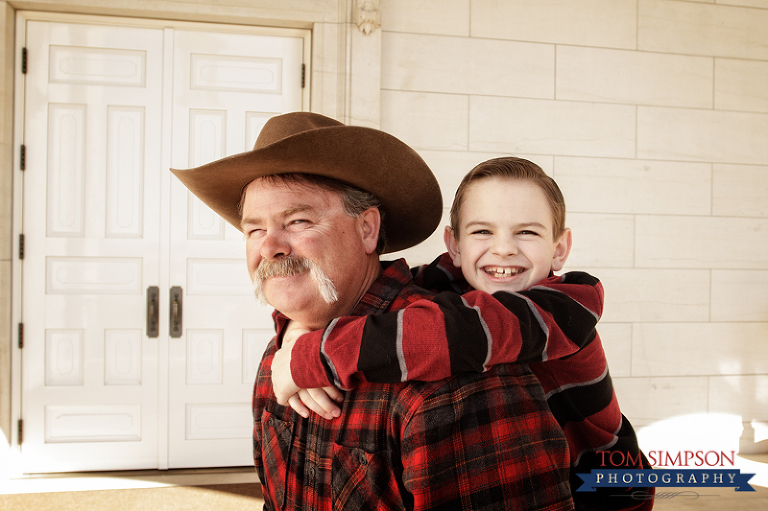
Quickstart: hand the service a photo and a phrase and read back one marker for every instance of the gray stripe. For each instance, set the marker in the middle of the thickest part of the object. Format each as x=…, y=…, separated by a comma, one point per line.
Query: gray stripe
x=577, y=384
x=540, y=321
x=602, y=447
x=621, y=423
x=488, y=339
x=549, y=289
x=328, y=360
x=595, y=449
x=399, y=347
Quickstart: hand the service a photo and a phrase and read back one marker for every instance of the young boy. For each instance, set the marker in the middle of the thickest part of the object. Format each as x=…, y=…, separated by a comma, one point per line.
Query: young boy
x=507, y=236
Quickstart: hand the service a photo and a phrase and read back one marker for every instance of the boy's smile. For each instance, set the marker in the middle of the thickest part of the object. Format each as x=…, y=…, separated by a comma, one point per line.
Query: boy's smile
x=505, y=240
x=501, y=272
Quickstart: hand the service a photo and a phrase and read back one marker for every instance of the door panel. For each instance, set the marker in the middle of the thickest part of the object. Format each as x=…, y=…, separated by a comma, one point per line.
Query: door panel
x=89, y=378
x=104, y=221
x=230, y=85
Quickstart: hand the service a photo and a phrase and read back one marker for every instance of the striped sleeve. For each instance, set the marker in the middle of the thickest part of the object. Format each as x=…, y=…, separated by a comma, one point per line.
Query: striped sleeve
x=452, y=334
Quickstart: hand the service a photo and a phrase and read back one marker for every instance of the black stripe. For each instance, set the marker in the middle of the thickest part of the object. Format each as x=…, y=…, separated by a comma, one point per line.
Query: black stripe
x=579, y=277
x=576, y=322
x=378, y=349
x=467, y=341
x=577, y=403
x=533, y=337
x=436, y=279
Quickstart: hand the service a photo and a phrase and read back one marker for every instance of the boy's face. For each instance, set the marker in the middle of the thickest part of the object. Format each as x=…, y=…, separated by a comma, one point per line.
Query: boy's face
x=505, y=240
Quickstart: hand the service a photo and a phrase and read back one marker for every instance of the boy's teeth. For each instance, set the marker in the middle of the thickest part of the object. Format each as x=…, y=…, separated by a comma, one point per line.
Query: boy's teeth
x=503, y=272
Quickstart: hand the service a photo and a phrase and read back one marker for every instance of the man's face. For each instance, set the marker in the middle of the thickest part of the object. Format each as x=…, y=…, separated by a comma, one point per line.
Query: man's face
x=295, y=227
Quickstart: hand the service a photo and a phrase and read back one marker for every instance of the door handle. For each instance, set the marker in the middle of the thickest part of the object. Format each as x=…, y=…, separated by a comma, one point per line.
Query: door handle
x=153, y=328
x=176, y=312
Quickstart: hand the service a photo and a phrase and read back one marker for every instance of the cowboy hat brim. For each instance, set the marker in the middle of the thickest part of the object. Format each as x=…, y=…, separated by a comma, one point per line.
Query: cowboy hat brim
x=366, y=158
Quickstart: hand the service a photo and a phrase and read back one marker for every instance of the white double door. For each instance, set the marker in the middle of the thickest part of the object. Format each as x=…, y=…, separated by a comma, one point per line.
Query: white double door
x=141, y=333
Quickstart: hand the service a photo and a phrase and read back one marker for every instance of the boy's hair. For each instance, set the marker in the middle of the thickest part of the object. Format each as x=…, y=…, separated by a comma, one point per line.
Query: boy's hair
x=512, y=168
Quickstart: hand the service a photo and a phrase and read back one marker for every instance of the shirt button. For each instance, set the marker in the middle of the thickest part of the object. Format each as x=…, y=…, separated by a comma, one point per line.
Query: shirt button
x=312, y=472
x=271, y=422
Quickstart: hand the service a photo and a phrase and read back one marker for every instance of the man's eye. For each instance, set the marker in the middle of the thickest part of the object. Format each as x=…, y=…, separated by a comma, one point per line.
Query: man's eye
x=298, y=222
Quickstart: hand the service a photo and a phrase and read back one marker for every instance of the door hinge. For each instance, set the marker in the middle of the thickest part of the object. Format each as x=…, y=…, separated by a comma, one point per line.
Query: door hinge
x=21, y=246
x=23, y=157
x=303, y=74
x=21, y=335
x=21, y=431
x=24, y=61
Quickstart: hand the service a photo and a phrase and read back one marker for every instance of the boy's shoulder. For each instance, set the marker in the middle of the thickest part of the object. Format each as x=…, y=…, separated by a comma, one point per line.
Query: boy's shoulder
x=440, y=275
x=571, y=277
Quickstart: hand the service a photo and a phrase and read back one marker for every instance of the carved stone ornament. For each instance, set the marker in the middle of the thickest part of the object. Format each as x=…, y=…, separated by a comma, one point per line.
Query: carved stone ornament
x=368, y=18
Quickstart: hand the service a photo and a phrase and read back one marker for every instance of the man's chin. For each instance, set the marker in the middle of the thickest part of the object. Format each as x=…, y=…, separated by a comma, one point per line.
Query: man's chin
x=270, y=290
x=279, y=291
x=306, y=288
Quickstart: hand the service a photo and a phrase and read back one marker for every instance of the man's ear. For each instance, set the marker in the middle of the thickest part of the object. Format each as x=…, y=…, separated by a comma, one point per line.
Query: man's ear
x=370, y=223
x=562, y=249
x=452, y=245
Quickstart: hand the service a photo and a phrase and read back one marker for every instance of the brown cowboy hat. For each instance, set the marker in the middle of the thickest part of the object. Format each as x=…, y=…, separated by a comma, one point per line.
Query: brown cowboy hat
x=309, y=143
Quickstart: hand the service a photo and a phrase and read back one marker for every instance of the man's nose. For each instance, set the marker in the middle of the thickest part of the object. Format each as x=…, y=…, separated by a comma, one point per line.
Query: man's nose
x=275, y=244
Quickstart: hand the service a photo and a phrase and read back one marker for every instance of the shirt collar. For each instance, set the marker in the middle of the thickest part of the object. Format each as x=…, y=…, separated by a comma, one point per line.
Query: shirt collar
x=393, y=278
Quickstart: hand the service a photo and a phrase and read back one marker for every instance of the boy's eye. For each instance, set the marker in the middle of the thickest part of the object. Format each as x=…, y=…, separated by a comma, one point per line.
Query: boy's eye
x=481, y=232
x=529, y=233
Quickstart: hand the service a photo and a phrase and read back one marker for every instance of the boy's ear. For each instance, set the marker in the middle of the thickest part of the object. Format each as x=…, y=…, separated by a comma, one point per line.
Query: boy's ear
x=452, y=245
x=562, y=249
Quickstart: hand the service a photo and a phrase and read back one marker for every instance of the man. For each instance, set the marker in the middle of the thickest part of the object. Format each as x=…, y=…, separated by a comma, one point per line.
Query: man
x=318, y=202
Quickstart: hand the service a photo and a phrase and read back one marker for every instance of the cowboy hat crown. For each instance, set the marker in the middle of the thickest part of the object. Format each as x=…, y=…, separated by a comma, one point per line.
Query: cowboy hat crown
x=309, y=143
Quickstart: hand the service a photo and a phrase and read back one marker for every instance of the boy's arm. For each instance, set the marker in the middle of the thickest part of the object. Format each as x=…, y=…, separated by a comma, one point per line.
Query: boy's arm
x=452, y=334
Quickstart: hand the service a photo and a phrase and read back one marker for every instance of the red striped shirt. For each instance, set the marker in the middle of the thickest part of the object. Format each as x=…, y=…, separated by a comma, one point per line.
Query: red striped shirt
x=551, y=325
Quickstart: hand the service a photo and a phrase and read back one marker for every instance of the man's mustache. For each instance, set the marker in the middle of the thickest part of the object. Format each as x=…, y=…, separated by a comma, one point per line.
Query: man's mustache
x=290, y=266
x=287, y=266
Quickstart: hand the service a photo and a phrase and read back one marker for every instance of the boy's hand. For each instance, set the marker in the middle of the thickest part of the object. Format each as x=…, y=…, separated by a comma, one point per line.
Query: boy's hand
x=319, y=400
x=282, y=380
x=293, y=330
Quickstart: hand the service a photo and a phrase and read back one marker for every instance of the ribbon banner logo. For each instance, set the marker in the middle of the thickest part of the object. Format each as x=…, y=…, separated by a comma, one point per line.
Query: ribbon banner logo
x=624, y=478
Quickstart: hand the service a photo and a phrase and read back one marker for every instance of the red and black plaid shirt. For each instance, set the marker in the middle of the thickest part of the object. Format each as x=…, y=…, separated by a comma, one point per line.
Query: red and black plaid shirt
x=477, y=441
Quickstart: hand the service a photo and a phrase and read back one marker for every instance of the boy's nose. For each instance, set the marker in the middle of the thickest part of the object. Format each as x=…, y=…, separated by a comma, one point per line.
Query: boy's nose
x=505, y=246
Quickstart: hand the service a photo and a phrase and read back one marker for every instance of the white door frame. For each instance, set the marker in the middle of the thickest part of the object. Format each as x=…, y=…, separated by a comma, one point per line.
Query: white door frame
x=345, y=85
x=18, y=191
